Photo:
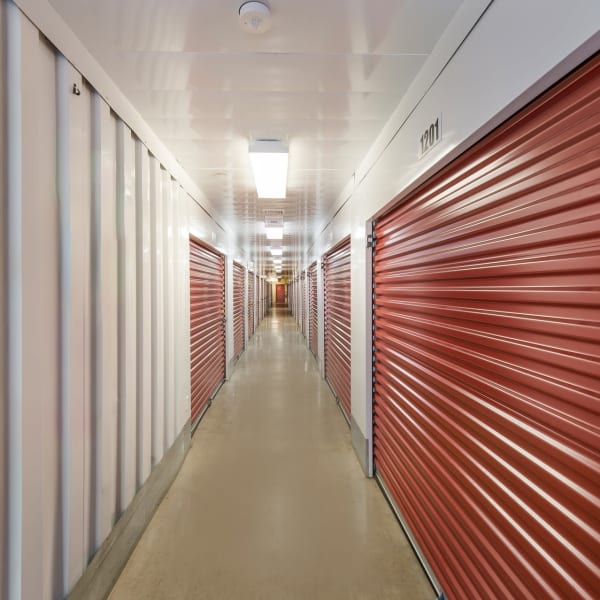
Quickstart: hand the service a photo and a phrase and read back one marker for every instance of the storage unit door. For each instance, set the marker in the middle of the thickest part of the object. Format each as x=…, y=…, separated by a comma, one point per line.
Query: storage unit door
x=303, y=300
x=258, y=303
x=207, y=314
x=314, y=325
x=250, y=304
x=238, y=308
x=260, y=300
x=487, y=356
x=280, y=294
x=337, y=323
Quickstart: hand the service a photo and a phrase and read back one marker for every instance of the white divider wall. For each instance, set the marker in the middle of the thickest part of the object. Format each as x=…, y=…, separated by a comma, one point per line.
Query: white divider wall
x=94, y=365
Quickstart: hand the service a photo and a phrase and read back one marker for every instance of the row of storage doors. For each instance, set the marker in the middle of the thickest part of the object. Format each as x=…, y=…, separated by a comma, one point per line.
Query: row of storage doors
x=486, y=354
x=208, y=320
x=336, y=312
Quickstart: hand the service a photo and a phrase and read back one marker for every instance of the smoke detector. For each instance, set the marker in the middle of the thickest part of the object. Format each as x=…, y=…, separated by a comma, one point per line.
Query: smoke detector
x=255, y=17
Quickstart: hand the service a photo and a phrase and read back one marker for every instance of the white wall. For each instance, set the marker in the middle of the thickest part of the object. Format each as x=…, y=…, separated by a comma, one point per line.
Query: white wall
x=97, y=338
x=475, y=79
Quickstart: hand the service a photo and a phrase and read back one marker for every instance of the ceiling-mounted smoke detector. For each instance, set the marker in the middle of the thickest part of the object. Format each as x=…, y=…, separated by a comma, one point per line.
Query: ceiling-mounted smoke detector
x=255, y=17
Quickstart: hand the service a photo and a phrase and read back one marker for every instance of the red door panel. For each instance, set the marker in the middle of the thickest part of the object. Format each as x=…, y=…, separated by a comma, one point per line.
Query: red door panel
x=238, y=308
x=337, y=322
x=313, y=324
x=280, y=293
x=207, y=313
x=251, y=280
x=487, y=356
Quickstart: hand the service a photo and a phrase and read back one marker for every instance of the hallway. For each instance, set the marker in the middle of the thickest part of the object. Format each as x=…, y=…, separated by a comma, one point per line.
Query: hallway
x=271, y=501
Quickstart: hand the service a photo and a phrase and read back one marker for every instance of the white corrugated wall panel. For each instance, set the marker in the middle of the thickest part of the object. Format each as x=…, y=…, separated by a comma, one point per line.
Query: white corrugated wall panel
x=158, y=384
x=182, y=314
x=41, y=304
x=144, y=313
x=108, y=378
x=127, y=315
x=3, y=340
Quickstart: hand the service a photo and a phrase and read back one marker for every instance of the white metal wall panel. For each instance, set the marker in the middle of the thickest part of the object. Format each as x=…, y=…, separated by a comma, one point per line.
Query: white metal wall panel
x=108, y=377
x=168, y=307
x=144, y=313
x=41, y=397
x=5, y=401
x=182, y=342
x=158, y=316
x=127, y=315
x=184, y=317
x=80, y=406
x=171, y=365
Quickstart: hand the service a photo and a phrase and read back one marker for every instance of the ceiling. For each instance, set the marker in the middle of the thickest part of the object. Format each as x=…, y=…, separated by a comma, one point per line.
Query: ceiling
x=324, y=79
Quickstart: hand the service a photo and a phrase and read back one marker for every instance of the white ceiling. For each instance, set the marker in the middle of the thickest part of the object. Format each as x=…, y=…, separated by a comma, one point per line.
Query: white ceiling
x=324, y=79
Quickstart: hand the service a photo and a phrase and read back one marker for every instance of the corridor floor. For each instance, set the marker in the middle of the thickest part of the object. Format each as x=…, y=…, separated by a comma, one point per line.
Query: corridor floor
x=271, y=502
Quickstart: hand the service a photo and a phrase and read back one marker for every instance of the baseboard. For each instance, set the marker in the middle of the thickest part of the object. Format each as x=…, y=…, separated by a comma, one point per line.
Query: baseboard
x=105, y=567
x=361, y=446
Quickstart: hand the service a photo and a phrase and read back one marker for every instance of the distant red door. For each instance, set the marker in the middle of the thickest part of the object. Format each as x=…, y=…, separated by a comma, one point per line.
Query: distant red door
x=280, y=293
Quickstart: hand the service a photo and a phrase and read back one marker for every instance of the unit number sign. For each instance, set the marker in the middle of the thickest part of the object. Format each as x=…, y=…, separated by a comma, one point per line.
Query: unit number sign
x=430, y=136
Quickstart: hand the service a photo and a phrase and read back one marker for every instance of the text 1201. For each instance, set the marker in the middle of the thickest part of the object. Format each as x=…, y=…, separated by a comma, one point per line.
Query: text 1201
x=430, y=137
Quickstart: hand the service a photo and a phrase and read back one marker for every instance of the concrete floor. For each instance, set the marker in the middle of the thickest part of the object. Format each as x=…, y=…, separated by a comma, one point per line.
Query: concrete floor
x=271, y=502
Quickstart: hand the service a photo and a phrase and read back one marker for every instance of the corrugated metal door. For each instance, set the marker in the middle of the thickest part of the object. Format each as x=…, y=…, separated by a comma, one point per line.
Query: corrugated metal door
x=259, y=300
x=207, y=314
x=258, y=303
x=251, y=280
x=303, y=303
x=238, y=308
x=337, y=323
x=314, y=321
x=487, y=356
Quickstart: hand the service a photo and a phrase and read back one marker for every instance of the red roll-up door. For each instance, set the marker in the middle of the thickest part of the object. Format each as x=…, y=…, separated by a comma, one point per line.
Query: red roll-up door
x=314, y=325
x=251, y=280
x=257, y=316
x=238, y=308
x=207, y=313
x=337, y=322
x=303, y=303
x=487, y=356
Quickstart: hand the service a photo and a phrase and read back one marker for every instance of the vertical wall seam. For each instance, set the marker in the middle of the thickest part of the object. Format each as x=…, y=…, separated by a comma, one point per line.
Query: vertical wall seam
x=64, y=204
x=13, y=318
x=96, y=304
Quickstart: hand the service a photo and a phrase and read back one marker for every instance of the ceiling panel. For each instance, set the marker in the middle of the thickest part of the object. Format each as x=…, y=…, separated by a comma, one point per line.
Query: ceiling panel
x=324, y=80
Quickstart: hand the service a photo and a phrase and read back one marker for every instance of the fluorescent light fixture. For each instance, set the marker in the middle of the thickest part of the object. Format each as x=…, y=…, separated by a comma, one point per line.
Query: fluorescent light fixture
x=269, y=161
x=276, y=251
x=274, y=233
x=276, y=261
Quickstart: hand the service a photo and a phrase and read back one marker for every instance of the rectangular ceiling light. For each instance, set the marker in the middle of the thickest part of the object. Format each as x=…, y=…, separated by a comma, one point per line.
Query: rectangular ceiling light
x=274, y=224
x=276, y=251
x=269, y=160
x=274, y=233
